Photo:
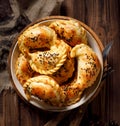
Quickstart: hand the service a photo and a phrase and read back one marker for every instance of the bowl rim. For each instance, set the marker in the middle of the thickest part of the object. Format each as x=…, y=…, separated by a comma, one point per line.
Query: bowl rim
x=94, y=35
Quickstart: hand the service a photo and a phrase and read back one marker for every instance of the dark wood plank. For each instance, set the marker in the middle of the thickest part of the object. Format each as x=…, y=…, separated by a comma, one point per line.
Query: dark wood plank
x=30, y=115
x=1, y=110
x=104, y=18
x=10, y=110
x=106, y=25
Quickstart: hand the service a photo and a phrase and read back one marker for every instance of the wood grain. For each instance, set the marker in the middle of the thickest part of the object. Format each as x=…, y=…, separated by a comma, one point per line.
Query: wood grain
x=103, y=16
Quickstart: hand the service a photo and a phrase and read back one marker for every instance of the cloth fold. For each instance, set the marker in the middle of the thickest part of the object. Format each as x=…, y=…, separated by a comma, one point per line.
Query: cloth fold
x=19, y=13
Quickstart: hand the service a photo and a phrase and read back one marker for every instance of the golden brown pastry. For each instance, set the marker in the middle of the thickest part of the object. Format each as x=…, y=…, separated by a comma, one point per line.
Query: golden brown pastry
x=56, y=64
x=88, y=68
x=70, y=31
x=66, y=71
x=36, y=37
x=23, y=69
x=48, y=62
x=32, y=43
x=45, y=88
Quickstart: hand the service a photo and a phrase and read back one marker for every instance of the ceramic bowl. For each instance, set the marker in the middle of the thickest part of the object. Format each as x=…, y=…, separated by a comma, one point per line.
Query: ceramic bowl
x=88, y=94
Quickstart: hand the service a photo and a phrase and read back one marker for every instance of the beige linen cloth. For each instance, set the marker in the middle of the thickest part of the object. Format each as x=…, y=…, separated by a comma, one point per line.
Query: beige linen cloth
x=14, y=16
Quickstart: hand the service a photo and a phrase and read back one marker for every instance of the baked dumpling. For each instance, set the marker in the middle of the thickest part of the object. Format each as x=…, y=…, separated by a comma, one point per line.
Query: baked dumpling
x=45, y=88
x=48, y=62
x=23, y=69
x=70, y=31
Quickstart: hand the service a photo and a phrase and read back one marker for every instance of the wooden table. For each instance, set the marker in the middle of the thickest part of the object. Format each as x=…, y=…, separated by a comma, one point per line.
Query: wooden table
x=103, y=16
